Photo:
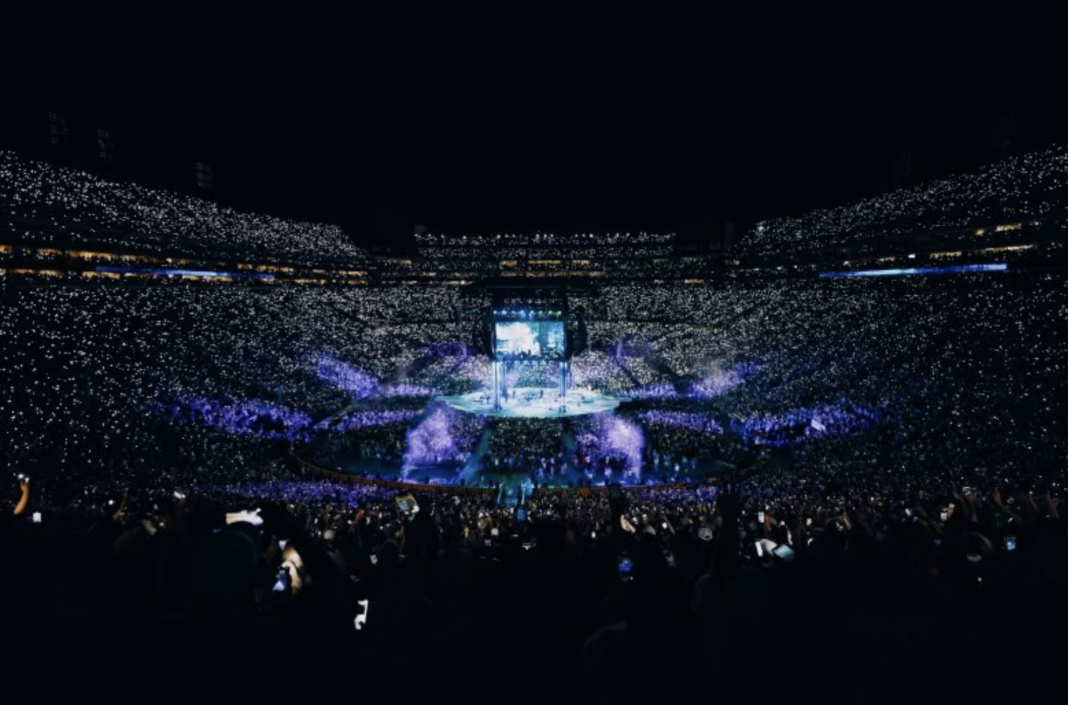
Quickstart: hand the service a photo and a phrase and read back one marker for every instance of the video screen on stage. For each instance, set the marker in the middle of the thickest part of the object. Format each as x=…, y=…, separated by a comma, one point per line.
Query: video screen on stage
x=529, y=339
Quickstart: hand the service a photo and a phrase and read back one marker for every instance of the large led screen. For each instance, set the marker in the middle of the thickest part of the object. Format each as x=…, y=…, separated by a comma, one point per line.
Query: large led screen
x=533, y=339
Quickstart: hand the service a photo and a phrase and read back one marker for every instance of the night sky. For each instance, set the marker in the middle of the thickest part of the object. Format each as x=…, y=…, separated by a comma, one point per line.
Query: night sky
x=615, y=149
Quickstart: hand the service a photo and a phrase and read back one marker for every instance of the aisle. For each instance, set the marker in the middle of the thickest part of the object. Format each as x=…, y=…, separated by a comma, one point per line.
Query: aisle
x=470, y=473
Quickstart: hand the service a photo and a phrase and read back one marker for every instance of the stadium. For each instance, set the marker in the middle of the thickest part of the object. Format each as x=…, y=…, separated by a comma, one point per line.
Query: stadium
x=844, y=428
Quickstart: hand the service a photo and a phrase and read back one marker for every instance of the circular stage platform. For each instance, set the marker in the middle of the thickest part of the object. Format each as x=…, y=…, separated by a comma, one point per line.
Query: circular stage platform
x=533, y=404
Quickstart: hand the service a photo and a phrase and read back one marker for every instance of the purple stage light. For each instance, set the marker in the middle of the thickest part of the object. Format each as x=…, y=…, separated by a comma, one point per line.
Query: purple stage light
x=625, y=438
x=443, y=436
x=609, y=437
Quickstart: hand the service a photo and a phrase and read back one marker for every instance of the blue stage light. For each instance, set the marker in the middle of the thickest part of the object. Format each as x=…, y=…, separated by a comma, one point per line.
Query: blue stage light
x=953, y=269
x=184, y=272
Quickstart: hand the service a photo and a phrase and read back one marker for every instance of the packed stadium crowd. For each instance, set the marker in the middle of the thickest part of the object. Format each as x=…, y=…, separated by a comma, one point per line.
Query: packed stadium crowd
x=654, y=580
x=60, y=204
x=527, y=445
x=893, y=456
x=971, y=365
x=540, y=239
x=1029, y=187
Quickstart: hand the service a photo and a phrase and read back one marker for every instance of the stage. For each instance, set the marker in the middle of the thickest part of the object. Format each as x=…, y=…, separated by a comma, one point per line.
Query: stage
x=533, y=403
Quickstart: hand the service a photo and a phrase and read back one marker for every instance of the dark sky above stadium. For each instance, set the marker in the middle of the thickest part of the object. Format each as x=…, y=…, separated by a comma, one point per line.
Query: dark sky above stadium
x=614, y=142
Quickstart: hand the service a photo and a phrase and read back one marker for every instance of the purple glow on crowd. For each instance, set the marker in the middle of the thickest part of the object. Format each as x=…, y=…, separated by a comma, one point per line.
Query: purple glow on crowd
x=625, y=438
x=723, y=381
x=702, y=423
x=405, y=389
x=443, y=436
x=344, y=376
x=798, y=425
x=652, y=391
x=369, y=419
x=353, y=495
x=606, y=437
x=251, y=417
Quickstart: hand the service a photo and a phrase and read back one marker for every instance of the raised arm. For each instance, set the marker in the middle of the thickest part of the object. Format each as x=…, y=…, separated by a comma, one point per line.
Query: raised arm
x=24, y=501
